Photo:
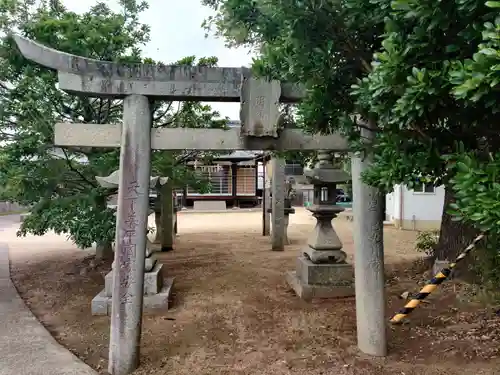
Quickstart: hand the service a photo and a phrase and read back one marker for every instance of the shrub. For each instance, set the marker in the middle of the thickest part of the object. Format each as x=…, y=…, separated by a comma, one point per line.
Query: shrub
x=426, y=242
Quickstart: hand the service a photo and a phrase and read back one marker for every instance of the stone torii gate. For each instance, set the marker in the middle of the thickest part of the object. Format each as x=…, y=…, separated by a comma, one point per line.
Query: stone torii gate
x=140, y=84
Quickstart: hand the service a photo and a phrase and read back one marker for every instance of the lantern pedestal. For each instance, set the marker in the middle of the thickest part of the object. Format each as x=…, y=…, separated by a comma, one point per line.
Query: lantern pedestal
x=311, y=281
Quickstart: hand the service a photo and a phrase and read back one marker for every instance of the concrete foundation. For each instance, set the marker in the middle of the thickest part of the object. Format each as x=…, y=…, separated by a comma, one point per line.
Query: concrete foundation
x=420, y=225
x=311, y=281
x=203, y=205
x=157, y=292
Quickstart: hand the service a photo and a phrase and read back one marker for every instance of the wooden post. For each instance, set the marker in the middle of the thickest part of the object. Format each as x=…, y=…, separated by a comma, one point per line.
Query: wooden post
x=278, y=235
x=131, y=225
x=369, y=258
x=234, y=184
x=184, y=197
x=266, y=202
x=256, y=184
x=167, y=216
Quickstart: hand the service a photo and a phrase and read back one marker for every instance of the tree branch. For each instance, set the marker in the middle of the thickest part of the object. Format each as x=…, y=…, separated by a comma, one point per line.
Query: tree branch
x=184, y=158
x=68, y=162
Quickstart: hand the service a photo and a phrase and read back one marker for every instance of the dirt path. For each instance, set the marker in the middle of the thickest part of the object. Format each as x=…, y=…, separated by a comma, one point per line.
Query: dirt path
x=234, y=314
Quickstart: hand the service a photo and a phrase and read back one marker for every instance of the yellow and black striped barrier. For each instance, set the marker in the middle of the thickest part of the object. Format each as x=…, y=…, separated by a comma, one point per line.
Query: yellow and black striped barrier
x=432, y=284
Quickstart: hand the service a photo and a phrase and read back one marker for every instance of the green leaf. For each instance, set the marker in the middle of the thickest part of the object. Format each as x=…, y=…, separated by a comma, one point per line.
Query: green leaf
x=493, y=4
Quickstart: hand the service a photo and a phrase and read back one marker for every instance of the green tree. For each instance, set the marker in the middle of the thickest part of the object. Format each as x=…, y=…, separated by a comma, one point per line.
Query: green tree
x=327, y=46
x=405, y=92
x=476, y=173
x=59, y=182
x=477, y=78
x=410, y=91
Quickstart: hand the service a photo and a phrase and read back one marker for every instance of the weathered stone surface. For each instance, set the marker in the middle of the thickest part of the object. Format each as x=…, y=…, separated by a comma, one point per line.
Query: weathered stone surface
x=286, y=222
x=260, y=112
x=108, y=284
x=325, y=256
x=324, y=236
x=324, y=246
x=266, y=203
x=150, y=262
x=369, y=259
x=101, y=304
x=131, y=223
x=152, y=281
x=79, y=74
x=167, y=218
x=308, y=292
x=278, y=224
x=321, y=271
x=324, y=274
x=105, y=135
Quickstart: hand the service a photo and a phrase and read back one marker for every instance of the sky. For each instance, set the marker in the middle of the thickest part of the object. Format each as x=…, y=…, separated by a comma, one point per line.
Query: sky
x=176, y=32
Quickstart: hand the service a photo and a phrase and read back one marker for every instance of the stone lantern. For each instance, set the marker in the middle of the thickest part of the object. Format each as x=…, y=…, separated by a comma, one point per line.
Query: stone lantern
x=156, y=288
x=322, y=270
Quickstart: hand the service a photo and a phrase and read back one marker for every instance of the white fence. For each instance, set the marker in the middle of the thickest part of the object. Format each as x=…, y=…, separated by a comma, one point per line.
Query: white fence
x=10, y=207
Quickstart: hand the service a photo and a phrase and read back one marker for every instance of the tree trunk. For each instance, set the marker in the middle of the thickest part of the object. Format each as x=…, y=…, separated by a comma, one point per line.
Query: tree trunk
x=454, y=237
x=104, y=250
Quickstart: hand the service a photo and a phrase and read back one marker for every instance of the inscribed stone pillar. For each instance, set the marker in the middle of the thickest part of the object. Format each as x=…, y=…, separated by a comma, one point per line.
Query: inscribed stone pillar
x=278, y=205
x=369, y=259
x=266, y=202
x=166, y=232
x=131, y=227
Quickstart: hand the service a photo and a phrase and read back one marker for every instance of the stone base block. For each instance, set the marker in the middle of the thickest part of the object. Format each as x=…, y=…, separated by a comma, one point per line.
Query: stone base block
x=324, y=273
x=154, y=247
x=101, y=304
x=150, y=262
x=309, y=292
x=311, y=281
x=153, y=281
